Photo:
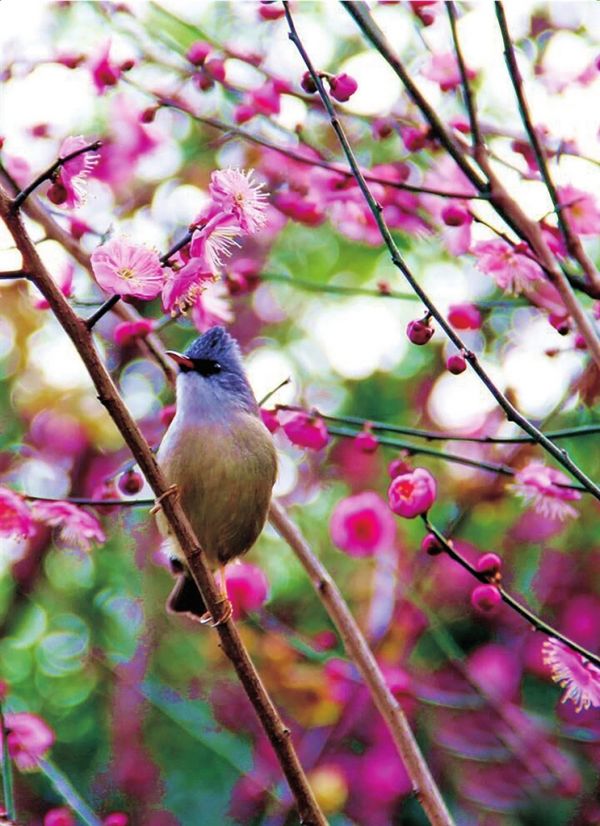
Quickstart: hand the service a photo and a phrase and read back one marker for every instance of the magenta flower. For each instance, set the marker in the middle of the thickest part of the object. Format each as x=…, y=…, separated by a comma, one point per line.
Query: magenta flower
x=362, y=525
x=235, y=193
x=299, y=208
x=464, y=317
x=198, y=52
x=59, y=817
x=543, y=487
x=104, y=73
x=511, y=270
x=127, y=331
x=15, y=516
x=28, y=739
x=247, y=588
x=305, y=430
x=580, y=209
x=443, y=69
x=77, y=527
x=214, y=240
x=412, y=493
x=123, y=268
x=342, y=87
x=211, y=307
x=184, y=285
x=269, y=419
x=485, y=598
x=579, y=677
x=68, y=186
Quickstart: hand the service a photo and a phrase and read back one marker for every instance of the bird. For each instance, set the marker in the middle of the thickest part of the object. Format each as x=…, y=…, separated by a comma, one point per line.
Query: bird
x=220, y=460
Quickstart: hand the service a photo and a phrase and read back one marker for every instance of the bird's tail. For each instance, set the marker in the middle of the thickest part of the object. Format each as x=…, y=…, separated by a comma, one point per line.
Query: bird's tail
x=185, y=598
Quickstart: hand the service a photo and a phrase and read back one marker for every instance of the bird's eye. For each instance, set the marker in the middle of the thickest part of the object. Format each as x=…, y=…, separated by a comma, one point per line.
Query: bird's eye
x=207, y=367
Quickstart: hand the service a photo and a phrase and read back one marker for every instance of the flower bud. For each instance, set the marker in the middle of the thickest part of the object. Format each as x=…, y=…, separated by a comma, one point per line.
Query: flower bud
x=130, y=482
x=308, y=84
x=489, y=565
x=456, y=364
x=198, y=52
x=485, y=597
x=464, y=317
x=431, y=545
x=419, y=331
x=412, y=493
x=342, y=87
x=57, y=193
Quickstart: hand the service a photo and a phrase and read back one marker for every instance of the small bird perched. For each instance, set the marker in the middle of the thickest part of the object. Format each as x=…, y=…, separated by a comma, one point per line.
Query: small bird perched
x=220, y=458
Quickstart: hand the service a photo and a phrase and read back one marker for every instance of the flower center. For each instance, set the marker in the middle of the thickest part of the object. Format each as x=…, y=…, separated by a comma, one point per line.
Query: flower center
x=127, y=273
x=405, y=488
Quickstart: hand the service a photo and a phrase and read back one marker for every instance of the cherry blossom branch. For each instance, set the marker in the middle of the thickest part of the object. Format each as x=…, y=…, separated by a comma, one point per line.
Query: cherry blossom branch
x=512, y=414
x=21, y=196
x=469, y=100
x=507, y=598
x=278, y=734
x=358, y=650
x=506, y=206
x=102, y=311
x=572, y=241
x=7, y=776
x=434, y=435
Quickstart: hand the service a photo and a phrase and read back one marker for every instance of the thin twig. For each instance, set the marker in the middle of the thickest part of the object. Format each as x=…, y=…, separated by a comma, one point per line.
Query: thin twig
x=513, y=603
x=278, y=734
x=511, y=412
x=7, y=776
x=360, y=653
x=9, y=275
x=335, y=289
x=21, y=196
x=102, y=311
x=176, y=247
x=469, y=99
x=572, y=241
x=69, y=794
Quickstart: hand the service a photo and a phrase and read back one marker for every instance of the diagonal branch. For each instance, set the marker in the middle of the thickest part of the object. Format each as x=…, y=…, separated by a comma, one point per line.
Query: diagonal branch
x=279, y=736
x=572, y=241
x=512, y=414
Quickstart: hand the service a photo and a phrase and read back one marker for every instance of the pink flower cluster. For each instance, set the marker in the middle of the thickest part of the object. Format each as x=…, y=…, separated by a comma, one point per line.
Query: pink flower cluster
x=362, y=525
x=237, y=208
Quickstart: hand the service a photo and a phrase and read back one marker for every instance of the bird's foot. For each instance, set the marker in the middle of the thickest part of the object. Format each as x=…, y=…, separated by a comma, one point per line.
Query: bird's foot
x=208, y=619
x=172, y=490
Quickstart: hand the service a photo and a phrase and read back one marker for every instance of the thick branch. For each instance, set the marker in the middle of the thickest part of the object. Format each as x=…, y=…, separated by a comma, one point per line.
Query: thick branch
x=360, y=653
x=108, y=395
x=512, y=413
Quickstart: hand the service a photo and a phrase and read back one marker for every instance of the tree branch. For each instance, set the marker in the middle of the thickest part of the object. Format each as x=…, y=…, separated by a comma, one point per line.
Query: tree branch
x=512, y=413
x=358, y=650
x=279, y=736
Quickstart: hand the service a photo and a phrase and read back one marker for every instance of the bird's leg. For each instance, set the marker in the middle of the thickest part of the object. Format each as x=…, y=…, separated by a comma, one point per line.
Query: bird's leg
x=207, y=618
x=172, y=490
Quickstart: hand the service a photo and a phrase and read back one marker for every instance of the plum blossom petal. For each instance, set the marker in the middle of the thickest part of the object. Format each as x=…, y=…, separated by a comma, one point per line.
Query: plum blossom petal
x=183, y=286
x=362, y=525
x=580, y=209
x=305, y=430
x=543, y=487
x=77, y=526
x=123, y=268
x=28, y=739
x=443, y=69
x=15, y=517
x=236, y=194
x=214, y=241
x=72, y=174
x=247, y=588
x=579, y=677
x=412, y=493
x=211, y=307
x=512, y=271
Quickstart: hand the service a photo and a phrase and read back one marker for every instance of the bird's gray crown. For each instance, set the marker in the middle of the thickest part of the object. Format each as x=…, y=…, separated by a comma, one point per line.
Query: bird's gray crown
x=216, y=345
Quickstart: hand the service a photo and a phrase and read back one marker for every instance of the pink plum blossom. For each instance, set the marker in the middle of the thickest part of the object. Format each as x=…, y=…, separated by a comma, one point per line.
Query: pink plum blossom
x=342, y=87
x=580, y=209
x=15, y=516
x=485, y=597
x=247, y=588
x=362, y=525
x=412, y=493
x=464, y=317
x=235, y=193
x=69, y=182
x=123, y=268
x=127, y=331
x=543, y=487
x=198, y=52
x=512, y=270
x=299, y=207
x=184, y=285
x=579, y=677
x=212, y=307
x=77, y=526
x=444, y=70
x=305, y=430
x=121, y=819
x=59, y=817
x=270, y=420
x=28, y=739
x=214, y=240
x=104, y=73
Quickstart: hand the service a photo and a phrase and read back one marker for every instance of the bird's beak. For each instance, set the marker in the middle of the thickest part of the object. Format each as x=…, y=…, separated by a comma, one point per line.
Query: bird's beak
x=180, y=359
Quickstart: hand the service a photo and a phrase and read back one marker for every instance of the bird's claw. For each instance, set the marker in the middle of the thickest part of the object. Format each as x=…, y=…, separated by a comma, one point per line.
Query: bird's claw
x=172, y=490
x=208, y=619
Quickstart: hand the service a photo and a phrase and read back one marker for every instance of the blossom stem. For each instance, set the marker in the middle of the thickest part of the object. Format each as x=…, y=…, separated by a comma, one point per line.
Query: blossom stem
x=362, y=656
x=572, y=241
x=64, y=787
x=101, y=311
x=507, y=598
x=231, y=642
x=9, y=275
x=511, y=412
x=7, y=777
x=176, y=247
x=21, y=196
x=469, y=99
x=274, y=390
